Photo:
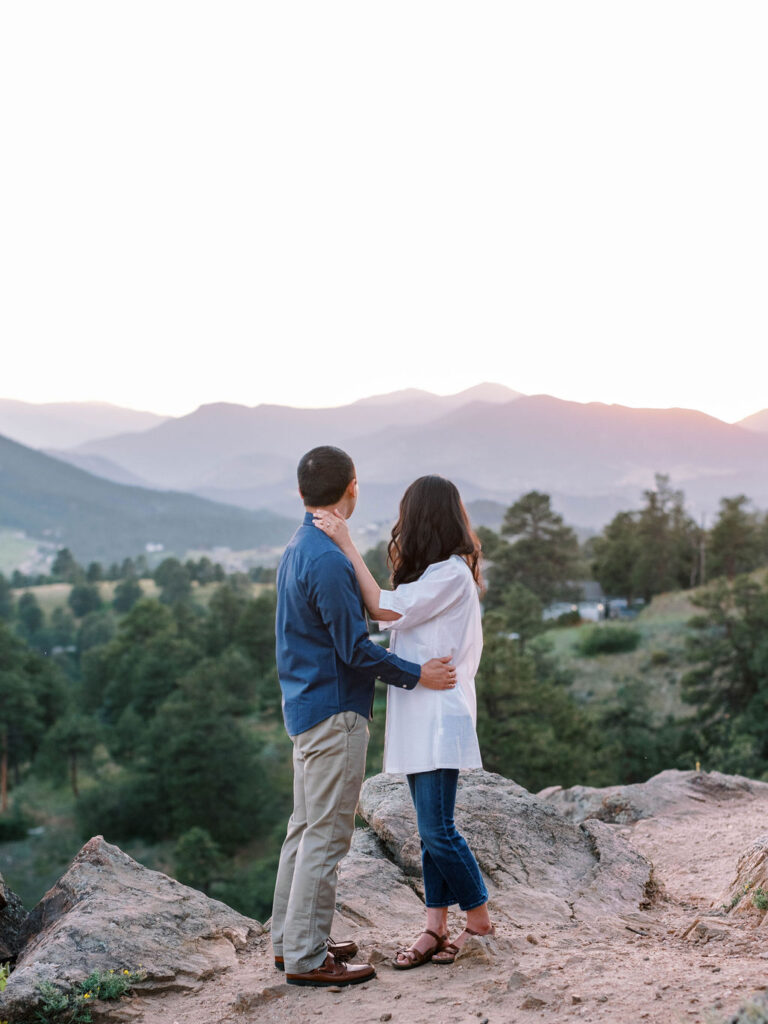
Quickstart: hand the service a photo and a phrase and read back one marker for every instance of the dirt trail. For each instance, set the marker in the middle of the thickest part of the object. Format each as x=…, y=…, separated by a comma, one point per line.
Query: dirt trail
x=643, y=970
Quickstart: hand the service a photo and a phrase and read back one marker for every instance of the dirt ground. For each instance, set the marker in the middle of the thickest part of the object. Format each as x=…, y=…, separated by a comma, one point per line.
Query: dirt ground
x=642, y=969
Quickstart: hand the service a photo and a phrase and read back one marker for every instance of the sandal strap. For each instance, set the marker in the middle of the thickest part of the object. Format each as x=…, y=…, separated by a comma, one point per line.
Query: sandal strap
x=450, y=948
x=413, y=954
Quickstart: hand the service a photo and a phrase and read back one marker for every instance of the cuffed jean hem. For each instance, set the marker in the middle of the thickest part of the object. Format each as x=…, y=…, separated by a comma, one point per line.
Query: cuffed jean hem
x=453, y=903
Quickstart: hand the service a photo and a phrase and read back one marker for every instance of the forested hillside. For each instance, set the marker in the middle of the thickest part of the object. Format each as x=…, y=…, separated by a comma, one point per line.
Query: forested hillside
x=98, y=519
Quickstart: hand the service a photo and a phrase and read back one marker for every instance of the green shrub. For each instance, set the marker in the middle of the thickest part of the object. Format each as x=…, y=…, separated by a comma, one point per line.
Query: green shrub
x=14, y=826
x=660, y=657
x=607, y=640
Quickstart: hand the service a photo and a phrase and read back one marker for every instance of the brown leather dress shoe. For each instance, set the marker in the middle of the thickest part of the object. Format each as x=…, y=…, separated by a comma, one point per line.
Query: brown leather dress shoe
x=333, y=972
x=338, y=950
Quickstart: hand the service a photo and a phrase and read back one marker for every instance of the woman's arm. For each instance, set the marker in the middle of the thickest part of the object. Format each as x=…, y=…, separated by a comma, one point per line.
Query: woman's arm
x=335, y=526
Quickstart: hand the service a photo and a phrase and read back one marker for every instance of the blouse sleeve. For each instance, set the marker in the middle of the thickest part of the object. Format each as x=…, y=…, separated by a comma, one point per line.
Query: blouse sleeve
x=426, y=598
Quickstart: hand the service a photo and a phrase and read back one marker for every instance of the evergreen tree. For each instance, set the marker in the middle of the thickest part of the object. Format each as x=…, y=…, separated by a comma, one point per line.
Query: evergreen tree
x=206, y=764
x=21, y=717
x=542, y=555
x=127, y=593
x=198, y=859
x=521, y=612
x=84, y=598
x=65, y=567
x=735, y=541
x=69, y=744
x=530, y=728
x=616, y=553
x=728, y=684
x=29, y=614
x=667, y=542
x=174, y=581
x=6, y=600
x=94, y=573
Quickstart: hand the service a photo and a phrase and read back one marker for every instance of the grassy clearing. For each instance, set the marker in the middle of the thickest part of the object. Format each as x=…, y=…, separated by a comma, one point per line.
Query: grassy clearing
x=659, y=660
x=15, y=550
x=54, y=595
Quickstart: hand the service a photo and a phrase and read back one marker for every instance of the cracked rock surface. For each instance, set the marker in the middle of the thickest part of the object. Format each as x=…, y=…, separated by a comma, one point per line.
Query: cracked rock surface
x=109, y=912
x=539, y=867
x=582, y=935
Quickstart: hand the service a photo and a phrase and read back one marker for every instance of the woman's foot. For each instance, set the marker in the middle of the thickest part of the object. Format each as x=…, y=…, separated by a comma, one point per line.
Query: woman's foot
x=423, y=949
x=450, y=951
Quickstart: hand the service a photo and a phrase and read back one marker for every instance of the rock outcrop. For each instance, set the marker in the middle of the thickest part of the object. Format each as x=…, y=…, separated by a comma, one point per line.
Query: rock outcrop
x=109, y=912
x=626, y=804
x=12, y=918
x=539, y=867
x=576, y=932
x=747, y=894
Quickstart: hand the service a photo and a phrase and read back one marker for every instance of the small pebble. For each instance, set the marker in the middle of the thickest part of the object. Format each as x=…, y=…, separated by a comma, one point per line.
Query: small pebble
x=334, y=988
x=397, y=995
x=386, y=1016
x=532, y=939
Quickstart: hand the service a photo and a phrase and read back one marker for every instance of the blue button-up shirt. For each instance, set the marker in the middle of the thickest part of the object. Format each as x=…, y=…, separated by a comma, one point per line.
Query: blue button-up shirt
x=326, y=661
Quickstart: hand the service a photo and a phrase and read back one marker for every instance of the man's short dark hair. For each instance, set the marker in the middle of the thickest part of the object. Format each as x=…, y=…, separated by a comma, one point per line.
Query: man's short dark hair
x=324, y=474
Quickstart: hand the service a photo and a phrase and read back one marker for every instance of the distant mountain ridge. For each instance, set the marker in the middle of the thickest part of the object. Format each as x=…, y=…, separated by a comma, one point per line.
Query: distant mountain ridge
x=494, y=442
x=66, y=424
x=101, y=520
x=757, y=421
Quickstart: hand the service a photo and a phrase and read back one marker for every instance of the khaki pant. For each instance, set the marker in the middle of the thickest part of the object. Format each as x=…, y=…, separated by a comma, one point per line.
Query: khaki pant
x=328, y=770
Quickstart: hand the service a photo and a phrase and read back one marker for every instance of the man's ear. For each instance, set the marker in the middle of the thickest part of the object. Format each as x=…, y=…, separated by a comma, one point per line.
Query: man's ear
x=352, y=487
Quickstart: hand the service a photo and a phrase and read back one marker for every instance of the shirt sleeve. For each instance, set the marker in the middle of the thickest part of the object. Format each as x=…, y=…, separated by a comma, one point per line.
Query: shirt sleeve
x=334, y=591
x=425, y=598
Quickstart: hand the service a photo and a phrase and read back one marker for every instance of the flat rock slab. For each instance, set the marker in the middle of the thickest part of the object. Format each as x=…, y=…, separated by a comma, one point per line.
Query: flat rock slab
x=669, y=789
x=109, y=912
x=540, y=868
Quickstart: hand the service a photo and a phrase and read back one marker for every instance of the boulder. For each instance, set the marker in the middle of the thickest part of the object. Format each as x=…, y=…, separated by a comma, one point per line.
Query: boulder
x=747, y=894
x=668, y=789
x=108, y=912
x=540, y=868
x=12, y=918
x=375, y=904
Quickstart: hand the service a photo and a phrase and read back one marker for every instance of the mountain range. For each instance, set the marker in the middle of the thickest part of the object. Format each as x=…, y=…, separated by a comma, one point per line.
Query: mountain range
x=495, y=443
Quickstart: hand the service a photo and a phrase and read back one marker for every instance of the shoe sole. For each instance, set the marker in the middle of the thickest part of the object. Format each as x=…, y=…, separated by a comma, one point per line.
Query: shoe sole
x=340, y=982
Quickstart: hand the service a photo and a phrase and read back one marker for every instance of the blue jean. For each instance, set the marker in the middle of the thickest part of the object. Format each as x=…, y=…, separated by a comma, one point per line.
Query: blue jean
x=451, y=874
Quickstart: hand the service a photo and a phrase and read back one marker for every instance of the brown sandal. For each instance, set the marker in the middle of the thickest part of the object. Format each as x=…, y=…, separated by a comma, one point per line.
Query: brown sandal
x=415, y=957
x=450, y=951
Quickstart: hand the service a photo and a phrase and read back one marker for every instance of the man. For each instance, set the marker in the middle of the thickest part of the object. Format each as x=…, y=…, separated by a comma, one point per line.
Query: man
x=327, y=666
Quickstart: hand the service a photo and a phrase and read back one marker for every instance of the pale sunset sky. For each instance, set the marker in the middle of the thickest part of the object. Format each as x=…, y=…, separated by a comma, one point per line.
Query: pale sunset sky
x=305, y=203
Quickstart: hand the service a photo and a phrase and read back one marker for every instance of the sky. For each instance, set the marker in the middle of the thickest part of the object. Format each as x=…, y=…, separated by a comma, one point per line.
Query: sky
x=305, y=203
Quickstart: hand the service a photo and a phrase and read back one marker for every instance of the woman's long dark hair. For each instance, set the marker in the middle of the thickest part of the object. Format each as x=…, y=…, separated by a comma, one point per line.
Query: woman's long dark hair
x=433, y=525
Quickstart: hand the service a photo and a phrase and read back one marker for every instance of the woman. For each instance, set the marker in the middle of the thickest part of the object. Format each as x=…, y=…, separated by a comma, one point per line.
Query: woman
x=433, y=611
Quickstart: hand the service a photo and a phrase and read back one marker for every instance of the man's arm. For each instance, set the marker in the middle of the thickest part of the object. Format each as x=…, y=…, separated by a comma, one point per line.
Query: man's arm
x=334, y=591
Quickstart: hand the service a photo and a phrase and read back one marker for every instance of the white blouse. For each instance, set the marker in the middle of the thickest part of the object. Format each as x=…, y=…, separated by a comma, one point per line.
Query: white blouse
x=428, y=729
